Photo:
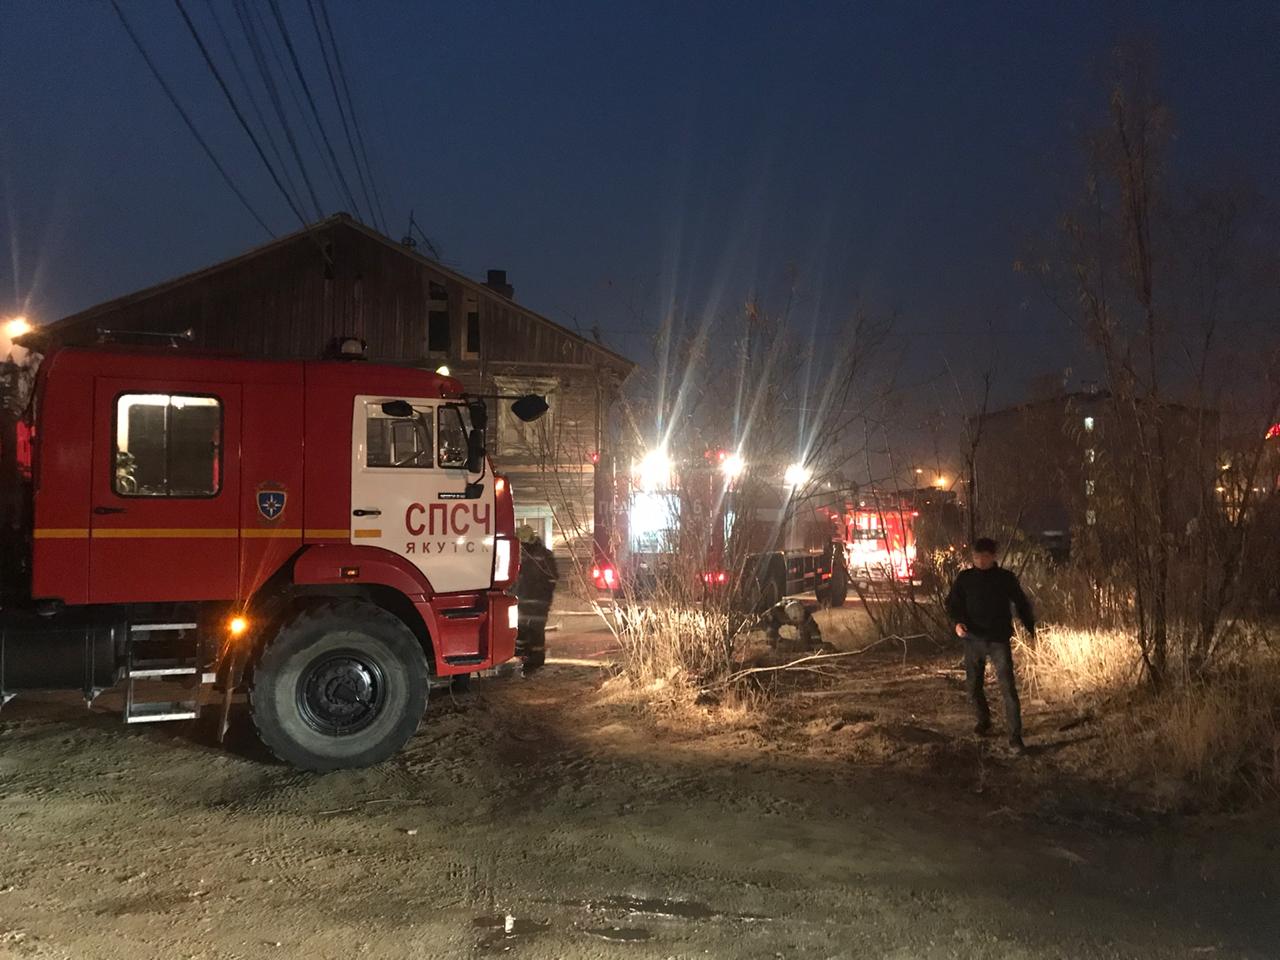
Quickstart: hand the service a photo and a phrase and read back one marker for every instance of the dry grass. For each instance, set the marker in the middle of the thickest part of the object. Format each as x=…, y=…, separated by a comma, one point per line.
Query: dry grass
x=1210, y=741
x=1067, y=664
x=666, y=644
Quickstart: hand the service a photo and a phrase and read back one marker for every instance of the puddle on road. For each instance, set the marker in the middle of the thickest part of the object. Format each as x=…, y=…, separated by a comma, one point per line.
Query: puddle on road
x=620, y=934
x=504, y=930
x=672, y=909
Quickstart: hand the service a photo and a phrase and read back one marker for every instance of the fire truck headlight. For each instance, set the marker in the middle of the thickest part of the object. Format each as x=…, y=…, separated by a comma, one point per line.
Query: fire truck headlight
x=655, y=470
x=733, y=465
x=513, y=616
x=797, y=475
x=502, y=559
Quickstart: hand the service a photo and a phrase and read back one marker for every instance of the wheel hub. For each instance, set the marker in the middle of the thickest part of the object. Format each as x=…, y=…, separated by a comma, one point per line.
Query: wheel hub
x=341, y=693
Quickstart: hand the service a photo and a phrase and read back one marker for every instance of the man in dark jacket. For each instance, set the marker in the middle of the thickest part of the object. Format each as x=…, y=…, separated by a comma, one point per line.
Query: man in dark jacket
x=980, y=605
x=535, y=587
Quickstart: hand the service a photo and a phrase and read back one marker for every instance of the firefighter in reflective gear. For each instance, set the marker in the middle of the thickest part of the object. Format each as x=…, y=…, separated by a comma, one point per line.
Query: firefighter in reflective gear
x=535, y=587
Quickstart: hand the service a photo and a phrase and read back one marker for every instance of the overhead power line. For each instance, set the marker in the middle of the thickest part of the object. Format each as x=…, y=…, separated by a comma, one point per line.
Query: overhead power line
x=258, y=113
x=355, y=120
x=231, y=101
x=250, y=27
x=315, y=111
x=186, y=118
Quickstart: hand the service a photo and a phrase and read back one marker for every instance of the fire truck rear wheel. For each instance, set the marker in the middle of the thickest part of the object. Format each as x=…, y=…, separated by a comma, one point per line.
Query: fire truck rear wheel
x=341, y=685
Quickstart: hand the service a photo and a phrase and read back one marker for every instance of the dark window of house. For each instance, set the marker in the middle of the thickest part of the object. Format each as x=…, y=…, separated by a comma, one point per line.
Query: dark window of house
x=437, y=291
x=473, y=332
x=167, y=445
x=438, y=331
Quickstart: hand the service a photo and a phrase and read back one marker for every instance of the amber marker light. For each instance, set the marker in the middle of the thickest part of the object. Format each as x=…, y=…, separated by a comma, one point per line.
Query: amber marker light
x=236, y=626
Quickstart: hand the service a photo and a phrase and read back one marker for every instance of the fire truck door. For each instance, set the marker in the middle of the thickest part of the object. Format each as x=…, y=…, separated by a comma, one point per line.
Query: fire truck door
x=408, y=486
x=164, y=517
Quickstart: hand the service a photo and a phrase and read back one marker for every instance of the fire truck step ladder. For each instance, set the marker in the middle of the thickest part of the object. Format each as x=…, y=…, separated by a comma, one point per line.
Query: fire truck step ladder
x=165, y=670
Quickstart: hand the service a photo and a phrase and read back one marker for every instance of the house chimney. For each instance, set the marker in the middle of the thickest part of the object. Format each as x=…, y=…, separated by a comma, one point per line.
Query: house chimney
x=498, y=281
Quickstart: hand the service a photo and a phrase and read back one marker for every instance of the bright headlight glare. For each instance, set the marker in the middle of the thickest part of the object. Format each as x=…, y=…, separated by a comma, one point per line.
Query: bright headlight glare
x=797, y=475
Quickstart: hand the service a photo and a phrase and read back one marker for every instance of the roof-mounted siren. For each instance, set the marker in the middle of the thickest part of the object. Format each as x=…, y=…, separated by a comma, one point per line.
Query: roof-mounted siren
x=171, y=338
x=347, y=348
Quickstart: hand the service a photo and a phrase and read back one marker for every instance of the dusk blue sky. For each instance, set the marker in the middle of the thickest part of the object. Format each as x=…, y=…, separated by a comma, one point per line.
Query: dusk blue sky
x=618, y=159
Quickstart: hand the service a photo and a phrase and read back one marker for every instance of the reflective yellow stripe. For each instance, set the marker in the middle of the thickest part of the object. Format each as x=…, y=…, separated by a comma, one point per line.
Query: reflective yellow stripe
x=62, y=533
x=200, y=533
x=165, y=533
x=366, y=534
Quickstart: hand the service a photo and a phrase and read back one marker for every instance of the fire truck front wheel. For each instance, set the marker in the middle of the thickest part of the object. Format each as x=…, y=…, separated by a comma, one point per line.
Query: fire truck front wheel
x=341, y=685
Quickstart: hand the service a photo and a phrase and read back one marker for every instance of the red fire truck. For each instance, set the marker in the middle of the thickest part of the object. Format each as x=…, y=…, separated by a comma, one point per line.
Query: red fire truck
x=328, y=536
x=660, y=511
x=897, y=535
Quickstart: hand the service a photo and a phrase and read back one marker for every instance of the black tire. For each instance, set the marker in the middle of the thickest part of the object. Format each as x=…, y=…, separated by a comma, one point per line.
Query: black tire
x=535, y=659
x=341, y=685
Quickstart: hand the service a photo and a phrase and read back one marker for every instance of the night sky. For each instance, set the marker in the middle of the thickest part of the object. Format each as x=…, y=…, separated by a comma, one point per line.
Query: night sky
x=618, y=159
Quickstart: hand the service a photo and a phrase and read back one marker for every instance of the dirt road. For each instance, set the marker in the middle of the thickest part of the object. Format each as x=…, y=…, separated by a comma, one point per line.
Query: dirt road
x=538, y=819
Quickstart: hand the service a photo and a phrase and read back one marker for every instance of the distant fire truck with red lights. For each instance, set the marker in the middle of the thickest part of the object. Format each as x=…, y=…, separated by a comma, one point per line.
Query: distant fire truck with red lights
x=662, y=519
x=797, y=539
x=328, y=536
x=891, y=534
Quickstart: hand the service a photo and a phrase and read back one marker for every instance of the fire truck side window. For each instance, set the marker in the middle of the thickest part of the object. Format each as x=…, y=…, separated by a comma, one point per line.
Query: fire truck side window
x=167, y=445
x=397, y=441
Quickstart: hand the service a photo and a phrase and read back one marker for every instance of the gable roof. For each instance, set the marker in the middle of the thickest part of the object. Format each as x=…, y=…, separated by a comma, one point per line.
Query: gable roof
x=336, y=221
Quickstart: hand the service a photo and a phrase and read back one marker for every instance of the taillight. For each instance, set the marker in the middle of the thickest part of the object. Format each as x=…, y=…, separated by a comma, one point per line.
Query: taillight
x=715, y=578
x=605, y=577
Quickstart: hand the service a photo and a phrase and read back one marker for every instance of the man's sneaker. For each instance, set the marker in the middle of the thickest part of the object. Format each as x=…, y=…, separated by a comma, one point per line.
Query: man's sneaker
x=1017, y=746
x=982, y=727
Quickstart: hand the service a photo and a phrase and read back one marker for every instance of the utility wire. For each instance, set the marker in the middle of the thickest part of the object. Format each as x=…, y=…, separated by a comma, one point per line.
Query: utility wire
x=315, y=112
x=186, y=118
x=253, y=101
x=250, y=30
x=273, y=92
x=355, y=120
x=231, y=101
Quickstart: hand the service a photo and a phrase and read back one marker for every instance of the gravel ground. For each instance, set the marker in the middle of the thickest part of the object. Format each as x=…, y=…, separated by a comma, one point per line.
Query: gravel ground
x=541, y=818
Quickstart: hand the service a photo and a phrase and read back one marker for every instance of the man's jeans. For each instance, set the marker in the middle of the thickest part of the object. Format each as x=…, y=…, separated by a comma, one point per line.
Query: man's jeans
x=976, y=654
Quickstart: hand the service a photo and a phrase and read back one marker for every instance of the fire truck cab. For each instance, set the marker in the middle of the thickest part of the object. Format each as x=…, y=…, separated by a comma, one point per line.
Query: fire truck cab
x=328, y=536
